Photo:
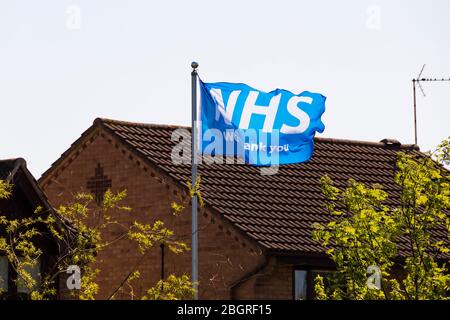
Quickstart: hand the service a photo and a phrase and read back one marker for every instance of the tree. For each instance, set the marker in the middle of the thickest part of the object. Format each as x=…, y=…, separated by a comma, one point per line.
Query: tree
x=80, y=240
x=408, y=243
x=173, y=288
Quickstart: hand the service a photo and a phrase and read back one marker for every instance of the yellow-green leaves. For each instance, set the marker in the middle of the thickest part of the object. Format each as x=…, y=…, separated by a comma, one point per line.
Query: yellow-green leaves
x=195, y=190
x=366, y=232
x=176, y=208
x=328, y=189
x=79, y=227
x=111, y=200
x=89, y=288
x=147, y=235
x=5, y=189
x=319, y=288
x=172, y=288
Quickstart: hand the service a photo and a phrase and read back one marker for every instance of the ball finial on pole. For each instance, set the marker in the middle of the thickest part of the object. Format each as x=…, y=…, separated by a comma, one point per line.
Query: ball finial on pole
x=194, y=65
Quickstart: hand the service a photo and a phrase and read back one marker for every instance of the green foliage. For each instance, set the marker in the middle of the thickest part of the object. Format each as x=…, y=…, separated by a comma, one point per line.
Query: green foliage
x=177, y=208
x=173, y=288
x=147, y=235
x=194, y=190
x=365, y=232
x=5, y=189
x=89, y=288
x=319, y=288
x=79, y=226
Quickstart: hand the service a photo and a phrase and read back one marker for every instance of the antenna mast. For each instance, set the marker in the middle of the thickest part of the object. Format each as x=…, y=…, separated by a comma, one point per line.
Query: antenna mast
x=417, y=81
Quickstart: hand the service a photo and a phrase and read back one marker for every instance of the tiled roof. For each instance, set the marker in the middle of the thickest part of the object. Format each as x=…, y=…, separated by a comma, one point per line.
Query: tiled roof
x=277, y=211
x=15, y=171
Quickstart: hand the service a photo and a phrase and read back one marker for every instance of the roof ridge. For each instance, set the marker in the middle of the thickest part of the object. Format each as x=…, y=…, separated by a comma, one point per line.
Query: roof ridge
x=365, y=143
x=10, y=167
x=13, y=160
x=140, y=124
x=319, y=139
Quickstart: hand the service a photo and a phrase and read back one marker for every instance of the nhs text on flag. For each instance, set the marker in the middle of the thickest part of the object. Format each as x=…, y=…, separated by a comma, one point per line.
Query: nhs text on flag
x=264, y=129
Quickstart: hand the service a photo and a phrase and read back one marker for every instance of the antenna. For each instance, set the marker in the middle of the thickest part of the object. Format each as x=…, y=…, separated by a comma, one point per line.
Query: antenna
x=418, y=80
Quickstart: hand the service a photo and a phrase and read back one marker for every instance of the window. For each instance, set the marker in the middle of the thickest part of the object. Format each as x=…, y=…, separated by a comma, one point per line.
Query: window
x=35, y=274
x=304, y=282
x=9, y=287
x=3, y=274
x=300, y=282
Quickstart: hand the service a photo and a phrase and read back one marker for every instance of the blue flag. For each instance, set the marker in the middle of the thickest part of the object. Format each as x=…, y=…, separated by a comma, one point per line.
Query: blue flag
x=264, y=129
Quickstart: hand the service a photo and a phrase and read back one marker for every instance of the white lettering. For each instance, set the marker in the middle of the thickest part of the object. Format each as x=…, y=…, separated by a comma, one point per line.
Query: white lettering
x=225, y=111
x=215, y=148
x=74, y=280
x=251, y=108
x=229, y=135
x=301, y=115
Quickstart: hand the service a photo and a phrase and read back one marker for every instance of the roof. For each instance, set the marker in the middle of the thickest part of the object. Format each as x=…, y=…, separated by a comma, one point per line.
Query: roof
x=15, y=171
x=9, y=167
x=277, y=211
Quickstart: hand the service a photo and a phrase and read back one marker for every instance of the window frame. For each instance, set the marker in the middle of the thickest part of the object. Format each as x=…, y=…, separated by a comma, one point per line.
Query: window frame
x=12, y=291
x=310, y=271
x=5, y=280
x=38, y=279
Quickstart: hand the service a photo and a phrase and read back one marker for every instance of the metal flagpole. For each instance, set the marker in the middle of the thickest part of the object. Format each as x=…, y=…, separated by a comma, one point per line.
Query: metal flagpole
x=194, y=66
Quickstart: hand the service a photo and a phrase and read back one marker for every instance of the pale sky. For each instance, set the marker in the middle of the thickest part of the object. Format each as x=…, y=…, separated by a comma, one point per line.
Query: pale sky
x=64, y=63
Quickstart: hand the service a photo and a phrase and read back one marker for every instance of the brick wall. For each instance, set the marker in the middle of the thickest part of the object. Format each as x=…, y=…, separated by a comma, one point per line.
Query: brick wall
x=273, y=281
x=224, y=255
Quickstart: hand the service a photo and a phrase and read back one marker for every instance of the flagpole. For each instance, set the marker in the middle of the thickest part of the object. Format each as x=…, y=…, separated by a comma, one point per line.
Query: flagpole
x=194, y=66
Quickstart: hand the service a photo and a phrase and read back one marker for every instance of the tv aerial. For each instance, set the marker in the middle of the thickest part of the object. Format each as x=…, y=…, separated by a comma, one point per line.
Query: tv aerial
x=417, y=81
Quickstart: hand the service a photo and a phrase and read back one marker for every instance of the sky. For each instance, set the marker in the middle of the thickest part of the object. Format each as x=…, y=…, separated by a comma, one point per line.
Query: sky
x=65, y=63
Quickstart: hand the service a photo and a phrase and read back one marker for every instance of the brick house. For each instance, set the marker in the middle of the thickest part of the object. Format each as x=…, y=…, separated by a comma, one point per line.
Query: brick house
x=255, y=230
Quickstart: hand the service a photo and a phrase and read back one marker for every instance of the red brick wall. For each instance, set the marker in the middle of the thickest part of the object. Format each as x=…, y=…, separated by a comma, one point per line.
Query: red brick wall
x=274, y=281
x=224, y=255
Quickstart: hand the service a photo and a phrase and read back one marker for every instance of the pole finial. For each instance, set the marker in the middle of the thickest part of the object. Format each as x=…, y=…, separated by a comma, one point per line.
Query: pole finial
x=194, y=65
